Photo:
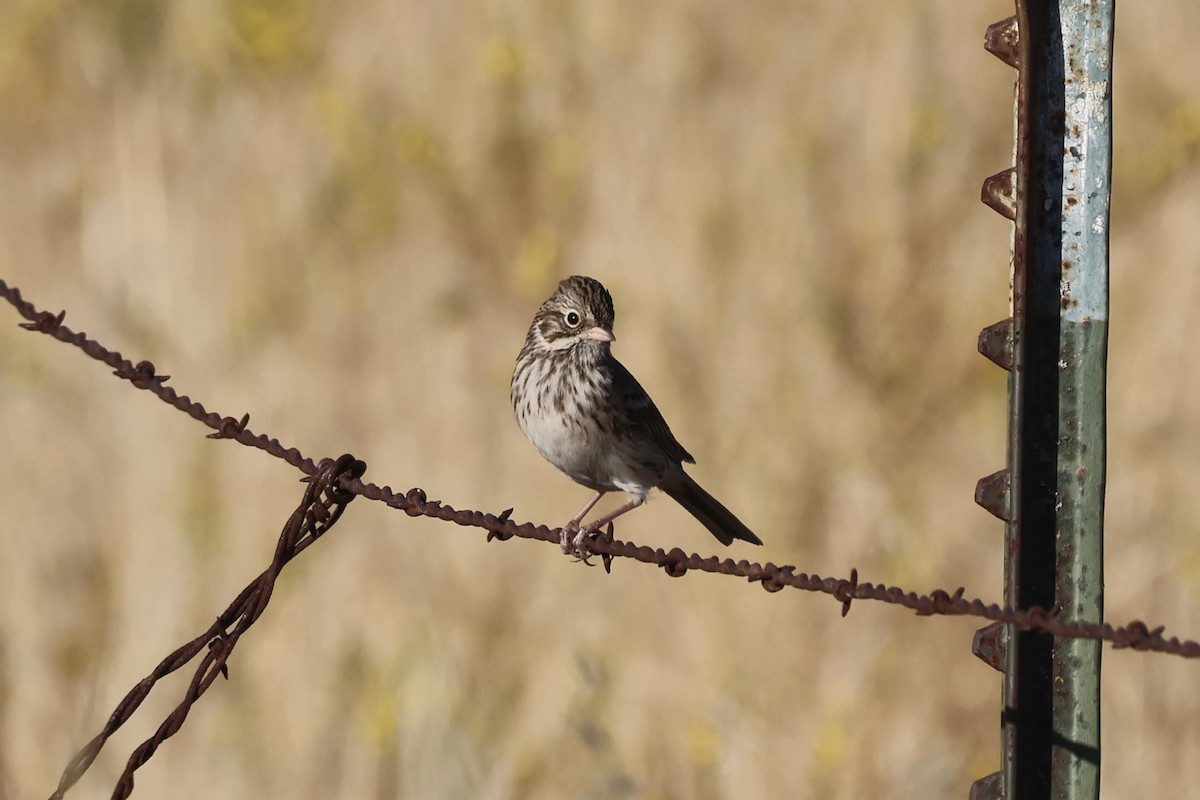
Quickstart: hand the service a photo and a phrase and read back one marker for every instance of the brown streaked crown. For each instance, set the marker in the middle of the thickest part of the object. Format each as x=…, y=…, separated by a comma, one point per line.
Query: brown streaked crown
x=578, y=304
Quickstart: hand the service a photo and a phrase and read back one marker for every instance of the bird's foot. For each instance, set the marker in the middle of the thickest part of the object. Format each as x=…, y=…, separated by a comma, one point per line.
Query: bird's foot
x=573, y=539
x=580, y=544
x=565, y=534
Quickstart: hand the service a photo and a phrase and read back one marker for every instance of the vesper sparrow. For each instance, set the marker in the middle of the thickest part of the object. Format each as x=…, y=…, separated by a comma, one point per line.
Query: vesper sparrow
x=590, y=418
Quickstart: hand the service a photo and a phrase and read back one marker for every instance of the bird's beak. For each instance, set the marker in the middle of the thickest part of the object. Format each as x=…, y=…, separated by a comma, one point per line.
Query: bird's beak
x=599, y=334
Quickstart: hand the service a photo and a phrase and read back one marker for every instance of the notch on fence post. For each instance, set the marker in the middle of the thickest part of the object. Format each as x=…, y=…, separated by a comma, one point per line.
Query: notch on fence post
x=1051, y=494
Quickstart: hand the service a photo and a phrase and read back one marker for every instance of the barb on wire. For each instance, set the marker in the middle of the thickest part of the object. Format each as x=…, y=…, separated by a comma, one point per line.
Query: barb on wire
x=323, y=503
x=334, y=483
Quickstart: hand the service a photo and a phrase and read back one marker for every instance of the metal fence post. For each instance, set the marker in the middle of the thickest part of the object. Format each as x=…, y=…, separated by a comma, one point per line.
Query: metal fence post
x=1051, y=495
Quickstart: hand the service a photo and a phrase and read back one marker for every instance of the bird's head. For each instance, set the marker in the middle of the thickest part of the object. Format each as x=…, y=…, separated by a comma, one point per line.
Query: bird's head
x=579, y=312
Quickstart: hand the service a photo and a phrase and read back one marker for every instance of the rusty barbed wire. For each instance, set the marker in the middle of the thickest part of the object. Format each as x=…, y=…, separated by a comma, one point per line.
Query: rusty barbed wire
x=332, y=485
x=323, y=503
x=143, y=375
x=1136, y=635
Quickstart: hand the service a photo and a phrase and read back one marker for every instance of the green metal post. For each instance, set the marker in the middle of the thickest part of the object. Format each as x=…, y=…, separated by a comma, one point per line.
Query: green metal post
x=1055, y=345
x=1074, y=261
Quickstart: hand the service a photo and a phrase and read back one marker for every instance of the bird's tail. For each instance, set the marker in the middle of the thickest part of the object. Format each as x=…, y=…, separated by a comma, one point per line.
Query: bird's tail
x=719, y=520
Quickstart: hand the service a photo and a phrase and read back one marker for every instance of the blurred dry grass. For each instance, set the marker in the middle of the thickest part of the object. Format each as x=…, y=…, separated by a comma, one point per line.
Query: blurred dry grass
x=340, y=218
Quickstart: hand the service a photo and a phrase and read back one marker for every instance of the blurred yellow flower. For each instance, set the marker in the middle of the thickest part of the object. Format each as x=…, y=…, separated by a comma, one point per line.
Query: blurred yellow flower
x=501, y=58
x=704, y=743
x=536, y=259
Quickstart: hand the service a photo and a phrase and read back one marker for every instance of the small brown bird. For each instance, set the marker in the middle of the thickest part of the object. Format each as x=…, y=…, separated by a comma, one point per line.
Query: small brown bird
x=590, y=418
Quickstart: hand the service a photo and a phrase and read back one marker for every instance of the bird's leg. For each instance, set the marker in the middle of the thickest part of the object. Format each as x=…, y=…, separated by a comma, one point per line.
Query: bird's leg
x=575, y=520
x=572, y=527
x=595, y=525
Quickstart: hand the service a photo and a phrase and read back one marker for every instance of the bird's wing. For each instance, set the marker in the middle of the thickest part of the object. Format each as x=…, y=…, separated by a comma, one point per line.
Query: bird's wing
x=641, y=413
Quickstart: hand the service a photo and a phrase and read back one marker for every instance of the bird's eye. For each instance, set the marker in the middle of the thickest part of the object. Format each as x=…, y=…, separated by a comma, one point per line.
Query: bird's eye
x=572, y=319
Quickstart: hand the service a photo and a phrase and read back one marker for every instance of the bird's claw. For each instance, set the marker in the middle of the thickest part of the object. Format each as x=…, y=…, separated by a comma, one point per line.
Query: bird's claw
x=565, y=535
x=573, y=539
x=570, y=539
x=574, y=542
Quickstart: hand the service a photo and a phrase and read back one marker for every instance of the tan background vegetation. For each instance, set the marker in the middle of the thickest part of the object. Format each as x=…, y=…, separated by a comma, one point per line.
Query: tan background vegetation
x=340, y=217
